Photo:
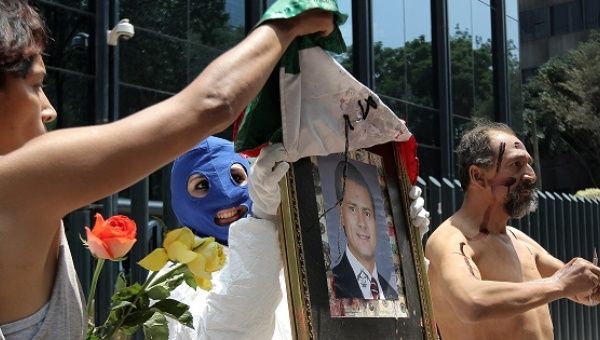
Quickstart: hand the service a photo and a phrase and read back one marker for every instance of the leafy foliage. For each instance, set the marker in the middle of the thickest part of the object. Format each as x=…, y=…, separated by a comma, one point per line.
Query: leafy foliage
x=562, y=104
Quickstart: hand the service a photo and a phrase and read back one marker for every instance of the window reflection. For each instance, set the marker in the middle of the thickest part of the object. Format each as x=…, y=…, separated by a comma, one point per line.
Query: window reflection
x=461, y=56
x=514, y=74
x=389, y=54
x=483, y=69
x=403, y=51
x=512, y=8
x=72, y=97
x=71, y=36
x=345, y=6
x=471, y=64
x=418, y=51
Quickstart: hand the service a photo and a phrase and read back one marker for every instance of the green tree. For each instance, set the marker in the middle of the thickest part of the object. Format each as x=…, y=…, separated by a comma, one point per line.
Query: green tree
x=562, y=106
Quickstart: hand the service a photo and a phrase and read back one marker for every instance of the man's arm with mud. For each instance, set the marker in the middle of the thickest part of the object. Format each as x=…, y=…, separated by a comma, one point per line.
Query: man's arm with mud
x=474, y=299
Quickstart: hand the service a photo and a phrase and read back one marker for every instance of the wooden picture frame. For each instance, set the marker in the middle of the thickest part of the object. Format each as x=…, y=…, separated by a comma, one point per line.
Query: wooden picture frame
x=312, y=249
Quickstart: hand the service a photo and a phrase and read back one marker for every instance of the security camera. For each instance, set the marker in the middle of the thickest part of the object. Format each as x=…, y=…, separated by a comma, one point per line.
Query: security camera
x=123, y=29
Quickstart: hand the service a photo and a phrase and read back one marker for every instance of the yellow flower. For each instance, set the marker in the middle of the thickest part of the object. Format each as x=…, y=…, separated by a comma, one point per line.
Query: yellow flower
x=201, y=255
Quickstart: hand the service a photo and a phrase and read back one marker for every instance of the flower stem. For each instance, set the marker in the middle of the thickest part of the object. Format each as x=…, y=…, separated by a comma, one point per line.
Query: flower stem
x=92, y=293
x=144, y=286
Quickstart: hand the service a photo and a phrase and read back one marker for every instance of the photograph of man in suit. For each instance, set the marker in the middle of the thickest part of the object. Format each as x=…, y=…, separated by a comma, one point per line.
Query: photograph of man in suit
x=356, y=276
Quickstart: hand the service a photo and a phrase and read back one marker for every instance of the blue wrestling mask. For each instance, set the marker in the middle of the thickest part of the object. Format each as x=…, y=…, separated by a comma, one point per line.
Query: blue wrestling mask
x=209, y=188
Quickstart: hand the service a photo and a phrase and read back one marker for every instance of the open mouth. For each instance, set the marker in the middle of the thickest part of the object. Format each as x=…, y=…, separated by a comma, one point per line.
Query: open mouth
x=363, y=237
x=227, y=216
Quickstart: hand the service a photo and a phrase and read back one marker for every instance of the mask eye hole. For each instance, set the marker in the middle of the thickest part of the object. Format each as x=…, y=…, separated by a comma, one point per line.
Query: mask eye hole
x=198, y=185
x=238, y=174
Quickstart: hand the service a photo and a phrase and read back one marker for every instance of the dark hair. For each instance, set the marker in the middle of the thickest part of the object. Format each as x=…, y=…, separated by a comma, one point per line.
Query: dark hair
x=475, y=148
x=352, y=174
x=22, y=36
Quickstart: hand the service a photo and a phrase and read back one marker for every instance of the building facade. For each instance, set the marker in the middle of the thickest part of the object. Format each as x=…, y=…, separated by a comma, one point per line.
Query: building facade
x=438, y=64
x=549, y=28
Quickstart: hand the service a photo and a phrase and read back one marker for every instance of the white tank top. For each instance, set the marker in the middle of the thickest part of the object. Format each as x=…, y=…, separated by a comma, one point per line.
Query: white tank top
x=64, y=316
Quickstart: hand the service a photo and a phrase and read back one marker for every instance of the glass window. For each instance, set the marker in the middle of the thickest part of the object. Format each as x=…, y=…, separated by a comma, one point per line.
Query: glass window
x=512, y=8
x=483, y=68
x=514, y=73
x=389, y=56
x=85, y=5
x=418, y=53
x=460, y=125
x=559, y=19
x=592, y=13
x=218, y=24
x=154, y=61
x=535, y=24
x=429, y=161
x=71, y=35
x=424, y=123
x=167, y=17
x=461, y=56
x=345, y=59
x=72, y=97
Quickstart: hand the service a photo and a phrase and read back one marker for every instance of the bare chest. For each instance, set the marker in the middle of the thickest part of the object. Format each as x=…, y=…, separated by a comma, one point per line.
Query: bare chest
x=505, y=259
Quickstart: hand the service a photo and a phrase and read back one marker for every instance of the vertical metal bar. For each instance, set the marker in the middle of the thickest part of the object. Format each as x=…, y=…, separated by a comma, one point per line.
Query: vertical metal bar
x=499, y=56
x=571, y=251
x=254, y=10
x=139, y=212
x=589, y=235
x=579, y=251
x=449, y=203
x=441, y=59
x=362, y=46
x=434, y=201
x=596, y=243
x=561, y=254
x=107, y=278
x=459, y=195
x=550, y=231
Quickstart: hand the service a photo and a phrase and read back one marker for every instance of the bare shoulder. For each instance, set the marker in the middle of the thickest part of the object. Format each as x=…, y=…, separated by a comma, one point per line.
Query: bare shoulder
x=445, y=237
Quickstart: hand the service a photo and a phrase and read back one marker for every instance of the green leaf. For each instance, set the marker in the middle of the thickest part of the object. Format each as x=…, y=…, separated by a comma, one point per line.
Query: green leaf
x=120, y=282
x=158, y=292
x=174, y=281
x=187, y=319
x=189, y=279
x=156, y=328
x=127, y=292
x=137, y=318
x=120, y=304
x=171, y=306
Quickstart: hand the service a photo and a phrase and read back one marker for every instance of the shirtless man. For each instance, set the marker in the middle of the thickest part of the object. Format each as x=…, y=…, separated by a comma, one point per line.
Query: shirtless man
x=44, y=176
x=489, y=280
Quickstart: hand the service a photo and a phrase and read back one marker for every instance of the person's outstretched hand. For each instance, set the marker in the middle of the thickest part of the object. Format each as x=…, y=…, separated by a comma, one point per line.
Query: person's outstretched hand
x=313, y=21
x=263, y=184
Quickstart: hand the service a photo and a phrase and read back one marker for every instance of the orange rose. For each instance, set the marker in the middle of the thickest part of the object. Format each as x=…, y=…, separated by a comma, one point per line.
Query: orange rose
x=111, y=239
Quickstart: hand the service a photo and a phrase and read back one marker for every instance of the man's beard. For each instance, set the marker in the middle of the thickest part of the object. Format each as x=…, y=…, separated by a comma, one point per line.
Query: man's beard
x=518, y=205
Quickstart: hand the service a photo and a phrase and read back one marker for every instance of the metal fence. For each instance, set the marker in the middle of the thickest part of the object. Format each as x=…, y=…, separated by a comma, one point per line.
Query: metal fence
x=565, y=225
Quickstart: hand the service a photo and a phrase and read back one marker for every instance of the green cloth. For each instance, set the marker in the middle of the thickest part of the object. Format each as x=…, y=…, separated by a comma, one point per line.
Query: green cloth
x=261, y=122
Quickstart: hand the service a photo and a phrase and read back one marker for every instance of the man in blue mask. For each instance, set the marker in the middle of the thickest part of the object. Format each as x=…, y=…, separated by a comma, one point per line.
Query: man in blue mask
x=209, y=188
x=212, y=194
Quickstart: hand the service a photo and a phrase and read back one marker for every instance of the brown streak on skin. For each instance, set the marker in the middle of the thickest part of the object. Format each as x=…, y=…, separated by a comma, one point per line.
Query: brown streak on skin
x=462, y=245
x=500, y=155
x=504, y=182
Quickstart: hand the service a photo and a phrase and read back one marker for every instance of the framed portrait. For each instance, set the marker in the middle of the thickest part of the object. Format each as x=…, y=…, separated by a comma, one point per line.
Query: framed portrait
x=354, y=264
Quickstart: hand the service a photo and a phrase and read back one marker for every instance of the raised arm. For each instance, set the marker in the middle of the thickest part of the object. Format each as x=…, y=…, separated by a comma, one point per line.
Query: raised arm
x=63, y=170
x=474, y=299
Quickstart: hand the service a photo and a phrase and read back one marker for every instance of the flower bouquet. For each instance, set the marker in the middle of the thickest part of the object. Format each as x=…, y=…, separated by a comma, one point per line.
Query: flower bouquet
x=184, y=257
